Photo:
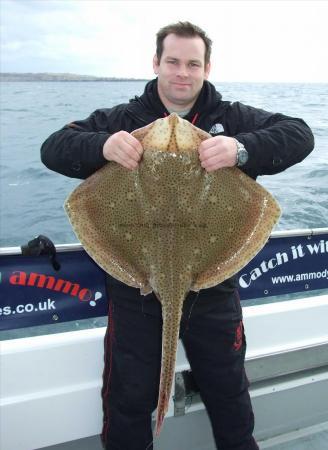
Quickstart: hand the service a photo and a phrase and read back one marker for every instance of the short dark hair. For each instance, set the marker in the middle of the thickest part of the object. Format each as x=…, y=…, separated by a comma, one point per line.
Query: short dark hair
x=183, y=29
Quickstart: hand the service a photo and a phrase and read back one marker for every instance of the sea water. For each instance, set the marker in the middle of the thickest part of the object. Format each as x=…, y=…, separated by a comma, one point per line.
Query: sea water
x=32, y=197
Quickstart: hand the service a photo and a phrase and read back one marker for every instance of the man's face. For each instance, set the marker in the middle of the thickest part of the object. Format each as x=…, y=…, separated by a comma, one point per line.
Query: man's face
x=181, y=71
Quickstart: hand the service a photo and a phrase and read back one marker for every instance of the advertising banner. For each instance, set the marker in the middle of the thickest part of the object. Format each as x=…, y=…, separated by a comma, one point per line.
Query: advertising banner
x=33, y=293
x=286, y=265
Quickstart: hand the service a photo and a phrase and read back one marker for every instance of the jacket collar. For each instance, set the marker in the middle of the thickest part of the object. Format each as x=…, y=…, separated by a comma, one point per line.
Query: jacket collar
x=149, y=107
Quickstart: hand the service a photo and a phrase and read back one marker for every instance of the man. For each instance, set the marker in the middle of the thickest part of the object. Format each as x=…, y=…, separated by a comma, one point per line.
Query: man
x=259, y=143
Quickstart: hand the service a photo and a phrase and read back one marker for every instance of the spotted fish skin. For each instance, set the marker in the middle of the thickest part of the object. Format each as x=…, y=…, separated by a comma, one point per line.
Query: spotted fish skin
x=169, y=226
x=171, y=311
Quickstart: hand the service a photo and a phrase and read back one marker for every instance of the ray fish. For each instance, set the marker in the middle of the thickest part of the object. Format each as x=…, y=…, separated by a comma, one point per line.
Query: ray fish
x=170, y=227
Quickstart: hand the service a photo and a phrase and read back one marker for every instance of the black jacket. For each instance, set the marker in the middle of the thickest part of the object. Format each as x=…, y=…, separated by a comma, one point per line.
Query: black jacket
x=274, y=143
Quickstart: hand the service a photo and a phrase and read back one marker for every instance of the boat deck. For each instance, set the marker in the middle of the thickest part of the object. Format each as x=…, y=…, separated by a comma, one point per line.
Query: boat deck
x=288, y=373
x=311, y=438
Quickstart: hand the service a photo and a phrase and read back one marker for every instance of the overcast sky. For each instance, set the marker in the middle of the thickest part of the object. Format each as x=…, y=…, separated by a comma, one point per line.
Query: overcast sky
x=253, y=40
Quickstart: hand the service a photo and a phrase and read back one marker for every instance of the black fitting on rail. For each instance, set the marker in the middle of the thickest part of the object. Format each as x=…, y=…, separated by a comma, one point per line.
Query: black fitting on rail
x=41, y=245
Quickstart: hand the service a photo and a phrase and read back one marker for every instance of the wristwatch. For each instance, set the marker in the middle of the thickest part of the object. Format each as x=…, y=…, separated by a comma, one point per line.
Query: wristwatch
x=242, y=154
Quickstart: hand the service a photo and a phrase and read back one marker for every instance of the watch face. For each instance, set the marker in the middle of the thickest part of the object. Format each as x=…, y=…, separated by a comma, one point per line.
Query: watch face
x=242, y=156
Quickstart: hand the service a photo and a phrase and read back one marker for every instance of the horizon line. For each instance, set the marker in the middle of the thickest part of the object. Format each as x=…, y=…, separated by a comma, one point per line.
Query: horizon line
x=148, y=79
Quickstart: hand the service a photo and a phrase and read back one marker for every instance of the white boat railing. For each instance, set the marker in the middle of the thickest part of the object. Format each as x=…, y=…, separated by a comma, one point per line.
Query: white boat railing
x=50, y=384
x=16, y=250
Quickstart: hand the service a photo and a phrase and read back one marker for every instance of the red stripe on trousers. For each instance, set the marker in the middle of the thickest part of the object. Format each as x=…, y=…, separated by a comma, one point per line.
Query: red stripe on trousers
x=107, y=372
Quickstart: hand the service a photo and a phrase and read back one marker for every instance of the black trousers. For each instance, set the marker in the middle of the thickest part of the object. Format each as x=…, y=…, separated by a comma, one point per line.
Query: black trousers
x=214, y=341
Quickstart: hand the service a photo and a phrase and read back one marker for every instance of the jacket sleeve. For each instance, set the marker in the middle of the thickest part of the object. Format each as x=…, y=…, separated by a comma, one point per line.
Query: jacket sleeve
x=274, y=141
x=77, y=149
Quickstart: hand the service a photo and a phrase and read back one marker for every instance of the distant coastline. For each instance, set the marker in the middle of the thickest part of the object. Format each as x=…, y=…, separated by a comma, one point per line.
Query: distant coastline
x=55, y=76
x=48, y=76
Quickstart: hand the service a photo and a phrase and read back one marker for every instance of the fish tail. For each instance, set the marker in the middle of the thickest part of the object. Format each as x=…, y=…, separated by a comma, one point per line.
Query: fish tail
x=161, y=411
x=170, y=338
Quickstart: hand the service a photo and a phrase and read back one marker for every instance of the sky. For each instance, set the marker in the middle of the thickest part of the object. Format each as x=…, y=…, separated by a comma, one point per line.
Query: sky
x=266, y=41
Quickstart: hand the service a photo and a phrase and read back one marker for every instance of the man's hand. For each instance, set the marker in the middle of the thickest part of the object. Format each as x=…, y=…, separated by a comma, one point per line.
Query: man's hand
x=124, y=149
x=218, y=152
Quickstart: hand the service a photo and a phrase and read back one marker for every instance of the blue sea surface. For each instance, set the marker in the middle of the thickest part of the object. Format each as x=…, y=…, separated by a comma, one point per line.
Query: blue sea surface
x=32, y=197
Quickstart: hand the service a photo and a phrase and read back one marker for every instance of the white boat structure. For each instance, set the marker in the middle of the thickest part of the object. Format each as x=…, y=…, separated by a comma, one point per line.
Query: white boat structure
x=50, y=384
